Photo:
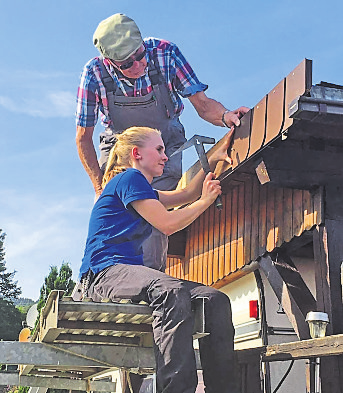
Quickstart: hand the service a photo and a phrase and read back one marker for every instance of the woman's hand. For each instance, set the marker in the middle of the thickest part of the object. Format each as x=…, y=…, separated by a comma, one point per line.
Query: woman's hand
x=210, y=189
x=221, y=154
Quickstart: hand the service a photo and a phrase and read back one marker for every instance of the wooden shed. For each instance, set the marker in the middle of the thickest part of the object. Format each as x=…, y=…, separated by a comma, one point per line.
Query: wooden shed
x=281, y=197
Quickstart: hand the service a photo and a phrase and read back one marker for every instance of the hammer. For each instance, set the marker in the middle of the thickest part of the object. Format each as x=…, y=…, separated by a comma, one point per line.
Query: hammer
x=198, y=141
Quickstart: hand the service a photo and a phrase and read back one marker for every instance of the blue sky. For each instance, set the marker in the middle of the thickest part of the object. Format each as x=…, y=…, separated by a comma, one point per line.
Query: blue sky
x=240, y=49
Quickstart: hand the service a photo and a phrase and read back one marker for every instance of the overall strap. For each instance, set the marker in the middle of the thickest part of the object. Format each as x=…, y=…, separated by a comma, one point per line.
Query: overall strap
x=159, y=84
x=107, y=80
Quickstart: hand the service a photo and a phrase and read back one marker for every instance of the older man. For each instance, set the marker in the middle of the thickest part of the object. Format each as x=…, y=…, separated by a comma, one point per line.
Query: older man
x=136, y=82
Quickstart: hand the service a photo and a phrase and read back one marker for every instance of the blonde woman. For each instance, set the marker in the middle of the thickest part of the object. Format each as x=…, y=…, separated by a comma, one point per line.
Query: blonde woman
x=121, y=220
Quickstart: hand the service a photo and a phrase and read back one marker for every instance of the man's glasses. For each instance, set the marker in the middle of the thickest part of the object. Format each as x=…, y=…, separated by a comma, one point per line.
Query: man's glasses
x=129, y=63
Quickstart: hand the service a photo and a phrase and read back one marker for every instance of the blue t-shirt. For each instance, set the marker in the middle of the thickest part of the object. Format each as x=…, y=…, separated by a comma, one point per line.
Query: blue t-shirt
x=116, y=231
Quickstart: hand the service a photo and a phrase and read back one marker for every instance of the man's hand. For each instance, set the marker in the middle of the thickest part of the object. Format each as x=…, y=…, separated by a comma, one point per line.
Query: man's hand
x=232, y=118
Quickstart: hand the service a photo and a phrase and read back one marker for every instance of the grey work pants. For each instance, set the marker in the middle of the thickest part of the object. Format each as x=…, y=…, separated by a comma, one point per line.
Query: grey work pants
x=171, y=301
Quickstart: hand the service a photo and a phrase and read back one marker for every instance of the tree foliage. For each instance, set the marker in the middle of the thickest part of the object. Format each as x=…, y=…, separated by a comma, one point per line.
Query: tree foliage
x=10, y=321
x=9, y=289
x=10, y=317
x=57, y=279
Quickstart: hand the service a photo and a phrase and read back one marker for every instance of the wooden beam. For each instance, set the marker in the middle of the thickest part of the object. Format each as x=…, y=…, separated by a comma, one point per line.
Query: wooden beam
x=67, y=356
x=96, y=339
x=120, y=308
x=291, y=291
x=306, y=169
x=328, y=256
x=318, y=347
x=105, y=326
x=57, y=383
x=328, y=251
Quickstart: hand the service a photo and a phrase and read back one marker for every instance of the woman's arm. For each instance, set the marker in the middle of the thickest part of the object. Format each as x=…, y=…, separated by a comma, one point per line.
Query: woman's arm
x=193, y=190
x=172, y=221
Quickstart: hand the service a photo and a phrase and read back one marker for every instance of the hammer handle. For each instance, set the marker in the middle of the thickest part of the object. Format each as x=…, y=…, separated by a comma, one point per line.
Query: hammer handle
x=219, y=202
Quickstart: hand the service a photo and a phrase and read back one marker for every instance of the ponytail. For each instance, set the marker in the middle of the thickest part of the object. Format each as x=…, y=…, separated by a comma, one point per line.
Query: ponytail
x=120, y=155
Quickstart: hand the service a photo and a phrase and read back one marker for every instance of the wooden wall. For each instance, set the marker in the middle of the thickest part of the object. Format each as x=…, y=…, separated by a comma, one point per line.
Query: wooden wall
x=255, y=219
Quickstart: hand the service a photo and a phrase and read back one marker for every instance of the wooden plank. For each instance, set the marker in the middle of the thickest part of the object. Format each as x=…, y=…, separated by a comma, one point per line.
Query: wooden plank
x=270, y=231
x=187, y=254
x=222, y=237
x=291, y=291
x=58, y=383
x=298, y=212
x=201, y=248
x=40, y=354
x=216, y=234
x=308, y=218
x=228, y=234
x=95, y=339
x=196, y=250
x=181, y=265
x=258, y=127
x=210, y=244
x=178, y=267
x=175, y=267
x=234, y=224
x=328, y=249
x=206, y=248
x=49, y=317
x=113, y=308
x=255, y=220
x=328, y=256
x=318, y=205
x=191, y=253
x=241, y=141
x=171, y=267
x=320, y=250
x=248, y=201
x=298, y=82
x=279, y=207
x=240, y=227
x=262, y=224
x=275, y=111
x=318, y=347
x=287, y=215
x=105, y=326
x=49, y=334
x=168, y=264
x=183, y=269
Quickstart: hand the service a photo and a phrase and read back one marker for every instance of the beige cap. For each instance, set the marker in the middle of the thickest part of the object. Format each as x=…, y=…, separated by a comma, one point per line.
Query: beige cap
x=117, y=37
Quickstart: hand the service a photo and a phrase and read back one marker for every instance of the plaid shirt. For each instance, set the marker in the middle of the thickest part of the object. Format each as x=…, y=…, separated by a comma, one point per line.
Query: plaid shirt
x=180, y=78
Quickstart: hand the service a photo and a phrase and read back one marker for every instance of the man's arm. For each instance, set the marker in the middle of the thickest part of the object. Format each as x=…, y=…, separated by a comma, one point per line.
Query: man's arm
x=87, y=154
x=212, y=110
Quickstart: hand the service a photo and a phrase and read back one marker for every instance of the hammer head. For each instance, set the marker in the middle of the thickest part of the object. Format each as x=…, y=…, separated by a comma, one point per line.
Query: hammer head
x=195, y=140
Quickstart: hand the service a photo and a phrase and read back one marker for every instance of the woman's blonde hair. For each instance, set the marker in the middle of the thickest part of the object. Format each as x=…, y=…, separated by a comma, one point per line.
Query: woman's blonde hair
x=120, y=155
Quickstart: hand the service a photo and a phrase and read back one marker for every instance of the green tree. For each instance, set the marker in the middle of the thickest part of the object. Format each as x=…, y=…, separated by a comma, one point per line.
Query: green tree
x=57, y=279
x=10, y=321
x=8, y=288
x=10, y=317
